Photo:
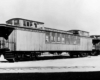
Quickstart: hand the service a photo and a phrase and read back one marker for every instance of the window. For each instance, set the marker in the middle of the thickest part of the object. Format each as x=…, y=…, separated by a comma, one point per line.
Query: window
x=35, y=25
x=85, y=33
x=76, y=32
x=53, y=37
x=77, y=40
x=28, y=23
x=67, y=39
x=71, y=39
x=16, y=22
x=63, y=38
x=9, y=22
x=24, y=23
x=47, y=37
x=58, y=37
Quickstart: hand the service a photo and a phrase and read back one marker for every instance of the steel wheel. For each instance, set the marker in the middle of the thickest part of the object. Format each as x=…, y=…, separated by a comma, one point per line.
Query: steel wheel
x=93, y=53
x=83, y=54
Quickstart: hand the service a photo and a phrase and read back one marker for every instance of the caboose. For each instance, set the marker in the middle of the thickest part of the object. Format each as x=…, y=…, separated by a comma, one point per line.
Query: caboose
x=22, y=38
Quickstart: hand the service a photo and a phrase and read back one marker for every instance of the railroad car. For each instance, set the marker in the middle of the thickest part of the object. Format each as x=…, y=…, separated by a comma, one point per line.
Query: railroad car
x=96, y=44
x=22, y=38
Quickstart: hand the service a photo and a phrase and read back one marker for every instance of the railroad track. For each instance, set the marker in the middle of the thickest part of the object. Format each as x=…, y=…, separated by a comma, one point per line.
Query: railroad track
x=49, y=69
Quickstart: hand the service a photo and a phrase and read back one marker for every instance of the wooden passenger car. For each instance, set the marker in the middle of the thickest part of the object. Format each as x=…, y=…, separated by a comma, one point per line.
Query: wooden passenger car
x=31, y=38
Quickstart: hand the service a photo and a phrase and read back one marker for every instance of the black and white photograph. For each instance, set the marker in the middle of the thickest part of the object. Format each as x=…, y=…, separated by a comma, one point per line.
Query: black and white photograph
x=49, y=39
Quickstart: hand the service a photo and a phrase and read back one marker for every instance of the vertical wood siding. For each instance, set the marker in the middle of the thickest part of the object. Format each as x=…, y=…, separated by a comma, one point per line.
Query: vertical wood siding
x=12, y=41
x=29, y=41
x=36, y=41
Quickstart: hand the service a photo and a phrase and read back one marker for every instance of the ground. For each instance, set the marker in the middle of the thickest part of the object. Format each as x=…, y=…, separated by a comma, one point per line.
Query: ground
x=86, y=64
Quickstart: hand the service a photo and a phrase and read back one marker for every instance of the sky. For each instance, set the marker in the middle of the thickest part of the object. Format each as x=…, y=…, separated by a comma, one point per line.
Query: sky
x=58, y=14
